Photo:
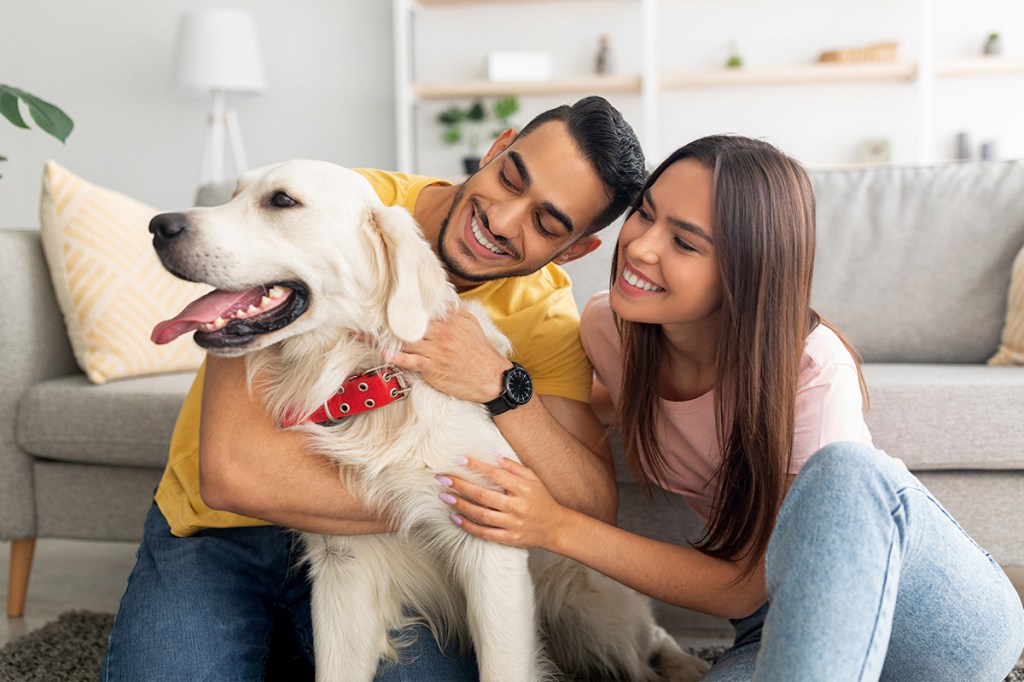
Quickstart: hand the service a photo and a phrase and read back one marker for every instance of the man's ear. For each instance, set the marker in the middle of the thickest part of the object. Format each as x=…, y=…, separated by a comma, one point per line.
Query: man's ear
x=500, y=144
x=580, y=248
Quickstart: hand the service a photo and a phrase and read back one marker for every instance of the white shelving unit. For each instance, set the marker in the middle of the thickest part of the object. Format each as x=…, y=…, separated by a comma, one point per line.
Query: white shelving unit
x=650, y=82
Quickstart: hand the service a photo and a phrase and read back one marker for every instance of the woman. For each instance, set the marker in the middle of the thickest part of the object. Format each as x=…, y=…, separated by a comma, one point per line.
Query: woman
x=831, y=559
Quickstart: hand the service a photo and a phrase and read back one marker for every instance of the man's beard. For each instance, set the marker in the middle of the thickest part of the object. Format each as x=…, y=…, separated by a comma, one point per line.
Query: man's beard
x=445, y=256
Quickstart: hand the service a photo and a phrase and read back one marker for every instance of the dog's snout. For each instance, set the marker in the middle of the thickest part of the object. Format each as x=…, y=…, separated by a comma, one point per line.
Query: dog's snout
x=168, y=225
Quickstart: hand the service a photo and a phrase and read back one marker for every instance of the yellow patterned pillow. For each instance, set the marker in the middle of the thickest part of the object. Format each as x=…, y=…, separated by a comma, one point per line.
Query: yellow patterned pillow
x=108, y=280
x=1011, y=350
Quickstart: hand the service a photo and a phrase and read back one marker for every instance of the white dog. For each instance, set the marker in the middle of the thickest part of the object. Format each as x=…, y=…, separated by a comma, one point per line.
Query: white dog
x=304, y=255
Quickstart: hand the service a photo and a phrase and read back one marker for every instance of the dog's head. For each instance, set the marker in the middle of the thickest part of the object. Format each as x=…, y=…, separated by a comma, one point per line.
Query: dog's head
x=302, y=247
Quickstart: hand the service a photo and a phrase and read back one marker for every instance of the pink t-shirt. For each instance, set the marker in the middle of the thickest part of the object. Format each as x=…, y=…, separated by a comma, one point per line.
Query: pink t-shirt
x=828, y=406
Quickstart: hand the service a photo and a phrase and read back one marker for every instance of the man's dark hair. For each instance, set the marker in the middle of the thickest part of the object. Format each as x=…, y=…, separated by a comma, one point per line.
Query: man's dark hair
x=609, y=144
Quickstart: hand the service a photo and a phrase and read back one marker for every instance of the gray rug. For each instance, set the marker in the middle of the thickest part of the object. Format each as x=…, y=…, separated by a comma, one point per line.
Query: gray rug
x=70, y=649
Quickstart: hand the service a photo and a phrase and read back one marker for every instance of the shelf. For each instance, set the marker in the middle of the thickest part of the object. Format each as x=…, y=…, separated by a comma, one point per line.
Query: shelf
x=442, y=3
x=915, y=80
x=980, y=66
x=812, y=73
x=589, y=84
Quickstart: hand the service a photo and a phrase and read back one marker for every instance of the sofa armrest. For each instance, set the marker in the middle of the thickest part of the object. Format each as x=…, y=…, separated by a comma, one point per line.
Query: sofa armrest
x=34, y=346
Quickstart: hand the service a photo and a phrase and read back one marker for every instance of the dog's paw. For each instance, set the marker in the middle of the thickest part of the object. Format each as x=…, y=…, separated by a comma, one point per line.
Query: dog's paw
x=682, y=667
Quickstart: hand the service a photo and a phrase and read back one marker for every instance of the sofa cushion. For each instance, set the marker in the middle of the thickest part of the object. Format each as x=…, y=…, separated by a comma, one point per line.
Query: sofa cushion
x=948, y=416
x=108, y=280
x=913, y=264
x=1011, y=349
x=126, y=422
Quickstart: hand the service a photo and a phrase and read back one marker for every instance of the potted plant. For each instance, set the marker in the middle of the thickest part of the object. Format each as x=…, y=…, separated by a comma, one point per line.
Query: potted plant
x=50, y=118
x=465, y=125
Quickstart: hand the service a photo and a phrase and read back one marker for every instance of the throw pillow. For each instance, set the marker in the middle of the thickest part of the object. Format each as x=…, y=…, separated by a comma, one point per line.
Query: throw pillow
x=1011, y=350
x=108, y=281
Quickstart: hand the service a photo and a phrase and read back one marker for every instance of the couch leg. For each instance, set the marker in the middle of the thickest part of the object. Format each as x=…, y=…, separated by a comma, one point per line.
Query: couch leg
x=22, y=552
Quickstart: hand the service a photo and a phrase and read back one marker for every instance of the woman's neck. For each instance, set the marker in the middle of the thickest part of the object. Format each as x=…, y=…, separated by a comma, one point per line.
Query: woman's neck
x=689, y=369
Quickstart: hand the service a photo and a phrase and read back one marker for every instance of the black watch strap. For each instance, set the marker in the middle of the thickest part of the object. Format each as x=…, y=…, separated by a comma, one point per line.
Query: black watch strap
x=517, y=389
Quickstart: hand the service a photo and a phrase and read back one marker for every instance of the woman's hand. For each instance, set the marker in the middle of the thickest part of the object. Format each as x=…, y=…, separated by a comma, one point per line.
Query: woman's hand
x=523, y=515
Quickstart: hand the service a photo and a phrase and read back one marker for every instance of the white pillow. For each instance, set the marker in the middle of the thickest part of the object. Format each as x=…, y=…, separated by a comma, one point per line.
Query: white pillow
x=108, y=281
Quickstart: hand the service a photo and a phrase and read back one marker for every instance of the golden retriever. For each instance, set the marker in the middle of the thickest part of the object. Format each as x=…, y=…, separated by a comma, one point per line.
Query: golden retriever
x=316, y=280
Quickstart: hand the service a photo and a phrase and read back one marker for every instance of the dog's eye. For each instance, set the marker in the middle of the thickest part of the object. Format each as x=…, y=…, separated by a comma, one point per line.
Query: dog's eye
x=282, y=200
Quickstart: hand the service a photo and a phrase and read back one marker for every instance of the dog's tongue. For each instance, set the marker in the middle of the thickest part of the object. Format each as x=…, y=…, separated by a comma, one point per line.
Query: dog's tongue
x=217, y=303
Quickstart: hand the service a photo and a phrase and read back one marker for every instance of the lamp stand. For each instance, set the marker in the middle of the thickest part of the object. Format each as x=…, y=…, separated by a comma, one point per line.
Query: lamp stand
x=220, y=124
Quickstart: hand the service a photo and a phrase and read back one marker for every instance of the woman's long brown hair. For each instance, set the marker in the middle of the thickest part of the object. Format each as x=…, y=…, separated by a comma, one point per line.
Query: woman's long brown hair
x=763, y=230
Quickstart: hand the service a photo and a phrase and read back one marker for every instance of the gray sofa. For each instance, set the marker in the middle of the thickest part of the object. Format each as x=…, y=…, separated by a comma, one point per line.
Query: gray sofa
x=913, y=264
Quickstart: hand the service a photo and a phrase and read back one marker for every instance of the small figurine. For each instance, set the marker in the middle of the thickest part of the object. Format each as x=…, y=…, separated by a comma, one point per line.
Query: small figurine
x=603, y=62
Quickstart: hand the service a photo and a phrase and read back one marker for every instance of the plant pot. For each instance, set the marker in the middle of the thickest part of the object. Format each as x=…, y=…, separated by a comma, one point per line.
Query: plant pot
x=471, y=164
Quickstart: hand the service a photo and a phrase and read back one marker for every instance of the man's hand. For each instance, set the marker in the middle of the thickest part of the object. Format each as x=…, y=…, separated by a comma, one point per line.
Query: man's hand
x=455, y=357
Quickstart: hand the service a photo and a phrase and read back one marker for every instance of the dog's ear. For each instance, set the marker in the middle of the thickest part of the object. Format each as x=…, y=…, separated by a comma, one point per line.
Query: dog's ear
x=417, y=283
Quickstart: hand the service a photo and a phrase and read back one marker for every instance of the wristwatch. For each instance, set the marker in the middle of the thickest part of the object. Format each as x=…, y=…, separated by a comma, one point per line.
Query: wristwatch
x=517, y=390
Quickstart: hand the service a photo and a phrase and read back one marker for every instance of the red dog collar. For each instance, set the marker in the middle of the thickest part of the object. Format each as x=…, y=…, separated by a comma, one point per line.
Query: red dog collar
x=359, y=393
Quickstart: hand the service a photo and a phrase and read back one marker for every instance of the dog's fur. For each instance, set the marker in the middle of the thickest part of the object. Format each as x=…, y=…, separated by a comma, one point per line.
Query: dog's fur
x=366, y=283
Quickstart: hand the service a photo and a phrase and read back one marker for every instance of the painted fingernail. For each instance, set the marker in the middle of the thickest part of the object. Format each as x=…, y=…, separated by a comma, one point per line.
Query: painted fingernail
x=444, y=480
x=456, y=519
x=447, y=499
x=461, y=461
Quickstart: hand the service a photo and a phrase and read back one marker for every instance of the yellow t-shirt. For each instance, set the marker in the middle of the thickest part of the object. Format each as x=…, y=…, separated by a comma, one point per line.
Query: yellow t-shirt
x=537, y=313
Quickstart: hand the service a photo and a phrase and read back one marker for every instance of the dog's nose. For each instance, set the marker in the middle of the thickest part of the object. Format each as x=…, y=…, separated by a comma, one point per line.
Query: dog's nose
x=168, y=225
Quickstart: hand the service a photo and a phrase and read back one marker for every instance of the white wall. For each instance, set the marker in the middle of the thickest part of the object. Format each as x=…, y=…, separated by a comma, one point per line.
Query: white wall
x=330, y=71
x=108, y=64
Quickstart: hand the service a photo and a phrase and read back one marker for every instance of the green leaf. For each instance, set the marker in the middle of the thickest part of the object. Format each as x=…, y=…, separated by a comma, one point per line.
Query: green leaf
x=506, y=106
x=9, y=107
x=451, y=116
x=476, y=112
x=49, y=117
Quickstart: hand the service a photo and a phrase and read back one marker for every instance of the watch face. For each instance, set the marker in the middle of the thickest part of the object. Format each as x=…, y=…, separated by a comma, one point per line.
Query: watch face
x=518, y=385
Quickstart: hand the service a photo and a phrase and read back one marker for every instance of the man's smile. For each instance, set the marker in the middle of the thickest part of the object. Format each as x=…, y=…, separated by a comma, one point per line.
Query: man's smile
x=478, y=233
x=480, y=241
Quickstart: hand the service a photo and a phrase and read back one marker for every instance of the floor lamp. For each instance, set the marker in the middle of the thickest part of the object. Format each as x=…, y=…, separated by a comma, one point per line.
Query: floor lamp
x=218, y=52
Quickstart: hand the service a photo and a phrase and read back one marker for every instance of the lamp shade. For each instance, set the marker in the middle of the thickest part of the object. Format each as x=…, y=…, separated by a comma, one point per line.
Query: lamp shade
x=218, y=49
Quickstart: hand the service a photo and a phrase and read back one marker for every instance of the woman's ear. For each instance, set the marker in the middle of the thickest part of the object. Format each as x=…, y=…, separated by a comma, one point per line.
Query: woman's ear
x=500, y=144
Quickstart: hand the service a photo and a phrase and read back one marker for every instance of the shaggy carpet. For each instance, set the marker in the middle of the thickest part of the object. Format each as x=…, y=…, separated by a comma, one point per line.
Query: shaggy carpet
x=70, y=649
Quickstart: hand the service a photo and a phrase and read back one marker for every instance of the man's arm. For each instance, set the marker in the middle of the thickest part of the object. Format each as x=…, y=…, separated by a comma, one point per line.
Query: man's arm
x=249, y=466
x=560, y=439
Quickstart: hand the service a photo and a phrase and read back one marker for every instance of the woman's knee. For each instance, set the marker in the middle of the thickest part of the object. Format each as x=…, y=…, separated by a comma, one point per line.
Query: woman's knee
x=845, y=459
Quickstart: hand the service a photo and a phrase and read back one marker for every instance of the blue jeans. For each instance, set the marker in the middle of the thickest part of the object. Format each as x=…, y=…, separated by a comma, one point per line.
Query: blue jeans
x=869, y=578
x=215, y=606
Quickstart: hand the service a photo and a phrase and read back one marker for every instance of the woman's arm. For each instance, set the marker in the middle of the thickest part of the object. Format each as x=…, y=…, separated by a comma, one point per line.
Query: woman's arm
x=249, y=466
x=526, y=515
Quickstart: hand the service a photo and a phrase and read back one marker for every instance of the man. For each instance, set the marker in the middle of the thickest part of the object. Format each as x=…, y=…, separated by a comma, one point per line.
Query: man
x=217, y=573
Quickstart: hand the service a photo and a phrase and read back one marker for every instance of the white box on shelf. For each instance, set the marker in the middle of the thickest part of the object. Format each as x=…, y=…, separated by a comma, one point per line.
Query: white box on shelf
x=518, y=66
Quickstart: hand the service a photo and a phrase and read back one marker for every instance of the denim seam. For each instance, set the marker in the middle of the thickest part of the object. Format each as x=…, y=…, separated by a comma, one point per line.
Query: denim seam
x=935, y=503
x=878, y=612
